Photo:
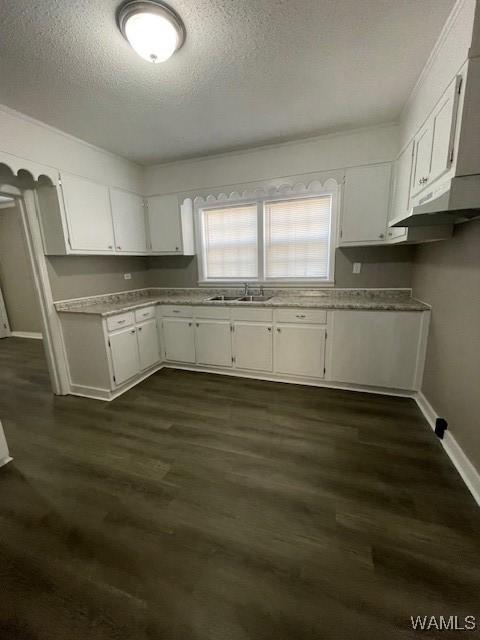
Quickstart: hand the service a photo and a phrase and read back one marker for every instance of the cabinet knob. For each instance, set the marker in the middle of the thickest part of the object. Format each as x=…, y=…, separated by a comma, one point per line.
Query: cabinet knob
x=196, y=324
x=119, y=248
x=177, y=248
x=110, y=246
x=190, y=324
x=269, y=328
x=139, y=328
x=132, y=331
x=390, y=233
x=381, y=236
x=279, y=330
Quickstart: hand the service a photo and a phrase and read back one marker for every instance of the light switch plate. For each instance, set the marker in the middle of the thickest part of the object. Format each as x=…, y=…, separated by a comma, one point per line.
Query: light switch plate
x=357, y=267
x=127, y=276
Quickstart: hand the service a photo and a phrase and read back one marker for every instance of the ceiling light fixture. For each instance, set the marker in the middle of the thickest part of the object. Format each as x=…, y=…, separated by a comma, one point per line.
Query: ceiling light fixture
x=153, y=29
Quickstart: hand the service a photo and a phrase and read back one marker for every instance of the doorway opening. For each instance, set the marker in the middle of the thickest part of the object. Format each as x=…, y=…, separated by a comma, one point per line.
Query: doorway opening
x=20, y=315
x=26, y=306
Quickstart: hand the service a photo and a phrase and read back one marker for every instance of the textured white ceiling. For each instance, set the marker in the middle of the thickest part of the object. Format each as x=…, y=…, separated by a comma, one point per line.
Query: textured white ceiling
x=250, y=72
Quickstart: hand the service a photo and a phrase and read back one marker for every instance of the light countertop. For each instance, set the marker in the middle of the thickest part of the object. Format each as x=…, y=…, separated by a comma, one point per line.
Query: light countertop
x=360, y=299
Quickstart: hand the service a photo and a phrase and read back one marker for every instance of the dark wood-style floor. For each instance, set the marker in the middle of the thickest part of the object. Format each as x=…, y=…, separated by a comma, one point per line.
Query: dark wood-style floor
x=202, y=507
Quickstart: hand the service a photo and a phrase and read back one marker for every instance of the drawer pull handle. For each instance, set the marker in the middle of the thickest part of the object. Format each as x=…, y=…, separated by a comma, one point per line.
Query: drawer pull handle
x=121, y=321
x=300, y=315
x=176, y=310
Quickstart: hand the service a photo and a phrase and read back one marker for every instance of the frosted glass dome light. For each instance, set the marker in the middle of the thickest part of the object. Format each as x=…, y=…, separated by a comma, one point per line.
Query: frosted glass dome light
x=152, y=28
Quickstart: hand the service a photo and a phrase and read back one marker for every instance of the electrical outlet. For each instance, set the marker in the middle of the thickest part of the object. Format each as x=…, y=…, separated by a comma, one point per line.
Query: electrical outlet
x=127, y=276
x=357, y=267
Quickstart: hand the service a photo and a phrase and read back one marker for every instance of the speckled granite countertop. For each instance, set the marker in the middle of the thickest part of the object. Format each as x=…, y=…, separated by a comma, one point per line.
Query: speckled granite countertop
x=363, y=299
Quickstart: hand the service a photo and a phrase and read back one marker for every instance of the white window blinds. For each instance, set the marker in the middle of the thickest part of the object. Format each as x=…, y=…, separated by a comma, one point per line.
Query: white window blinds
x=230, y=242
x=297, y=238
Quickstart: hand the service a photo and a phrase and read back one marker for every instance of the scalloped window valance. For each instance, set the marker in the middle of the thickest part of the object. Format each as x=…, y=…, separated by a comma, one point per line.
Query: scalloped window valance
x=283, y=233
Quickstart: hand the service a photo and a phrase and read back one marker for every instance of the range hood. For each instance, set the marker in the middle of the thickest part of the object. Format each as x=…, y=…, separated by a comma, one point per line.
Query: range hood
x=456, y=200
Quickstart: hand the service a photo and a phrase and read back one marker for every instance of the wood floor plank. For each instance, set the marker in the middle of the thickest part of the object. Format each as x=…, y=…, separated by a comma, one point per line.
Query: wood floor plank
x=204, y=507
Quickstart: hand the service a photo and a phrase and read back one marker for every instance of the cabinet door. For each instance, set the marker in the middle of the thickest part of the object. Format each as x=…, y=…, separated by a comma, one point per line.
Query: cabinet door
x=422, y=158
x=444, y=120
x=148, y=345
x=88, y=213
x=213, y=343
x=253, y=346
x=401, y=190
x=377, y=348
x=124, y=350
x=165, y=224
x=128, y=222
x=366, y=200
x=300, y=350
x=178, y=339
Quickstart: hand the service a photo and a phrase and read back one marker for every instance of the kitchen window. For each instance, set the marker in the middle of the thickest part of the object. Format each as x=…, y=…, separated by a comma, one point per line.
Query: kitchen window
x=287, y=240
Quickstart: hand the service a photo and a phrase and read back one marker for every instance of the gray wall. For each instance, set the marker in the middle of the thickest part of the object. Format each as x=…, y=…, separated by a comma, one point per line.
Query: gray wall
x=78, y=276
x=381, y=267
x=16, y=280
x=447, y=276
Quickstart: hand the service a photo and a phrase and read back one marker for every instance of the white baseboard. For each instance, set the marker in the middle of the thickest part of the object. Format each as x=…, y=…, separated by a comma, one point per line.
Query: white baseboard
x=272, y=377
x=107, y=395
x=465, y=468
x=26, y=334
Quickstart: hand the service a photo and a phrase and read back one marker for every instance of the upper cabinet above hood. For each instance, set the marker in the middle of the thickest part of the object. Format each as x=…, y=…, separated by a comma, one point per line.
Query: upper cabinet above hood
x=444, y=185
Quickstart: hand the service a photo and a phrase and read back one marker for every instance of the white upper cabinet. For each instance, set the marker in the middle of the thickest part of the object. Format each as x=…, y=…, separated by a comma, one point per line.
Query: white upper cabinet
x=128, y=213
x=401, y=189
x=88, y=215
x=422, y=158
x=444, y=124
x=366, y=200
x=170, y=225
x=433, y=153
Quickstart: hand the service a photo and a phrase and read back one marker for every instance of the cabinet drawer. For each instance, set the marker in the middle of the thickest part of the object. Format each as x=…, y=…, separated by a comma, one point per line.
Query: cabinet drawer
x=306, y=316
x=144, y=314
x=177, y=311
x=216, y=313
x=120, y=321
x=252, y=315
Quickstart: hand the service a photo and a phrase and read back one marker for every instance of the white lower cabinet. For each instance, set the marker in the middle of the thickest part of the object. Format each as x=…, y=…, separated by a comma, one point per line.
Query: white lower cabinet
x=378, y=348
x=125, y=355
x=148, y=345
x=213, y=343
x=384, y=349
x=300, y=350
x=253, y=346
x=179, y=340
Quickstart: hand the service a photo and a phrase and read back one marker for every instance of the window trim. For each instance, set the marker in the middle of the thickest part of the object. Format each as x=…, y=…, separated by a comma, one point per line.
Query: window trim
x=260, y=202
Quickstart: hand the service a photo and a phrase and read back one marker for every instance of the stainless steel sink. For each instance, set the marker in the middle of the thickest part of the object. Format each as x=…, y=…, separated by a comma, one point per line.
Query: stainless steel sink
x=254, y=298
x=222, y=298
